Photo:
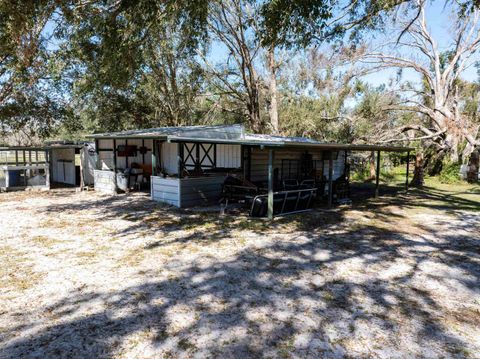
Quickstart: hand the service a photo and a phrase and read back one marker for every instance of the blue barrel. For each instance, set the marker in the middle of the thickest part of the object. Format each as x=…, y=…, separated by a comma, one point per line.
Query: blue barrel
x=13, y=178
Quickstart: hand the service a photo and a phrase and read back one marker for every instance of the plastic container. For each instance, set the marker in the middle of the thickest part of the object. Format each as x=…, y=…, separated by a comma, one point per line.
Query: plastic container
x=122, y=181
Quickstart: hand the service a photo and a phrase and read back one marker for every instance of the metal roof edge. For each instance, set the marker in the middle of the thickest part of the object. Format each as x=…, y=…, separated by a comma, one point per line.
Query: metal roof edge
x=266, y=143
x=224, y=141
x=162, y=131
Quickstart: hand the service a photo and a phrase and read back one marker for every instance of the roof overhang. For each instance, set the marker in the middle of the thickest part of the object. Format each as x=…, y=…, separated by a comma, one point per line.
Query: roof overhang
x=24, y=148
x=234, y=135
x=107, y=136
x=292, y=144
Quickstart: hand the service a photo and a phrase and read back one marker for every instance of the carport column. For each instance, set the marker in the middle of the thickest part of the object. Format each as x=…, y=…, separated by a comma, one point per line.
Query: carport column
x=270, y=184
x=180, y=159
x=330, y=179
x=154, y=156
x=408, y=170
x=48, y=168
x=97, y=152
x=115, y=164
x=377, y=175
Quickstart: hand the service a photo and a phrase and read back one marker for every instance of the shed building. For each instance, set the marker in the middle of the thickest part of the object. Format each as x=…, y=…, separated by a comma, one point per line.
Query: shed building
x=187, y=166
x=24, y=167
x=56, y=164
x=72, y=164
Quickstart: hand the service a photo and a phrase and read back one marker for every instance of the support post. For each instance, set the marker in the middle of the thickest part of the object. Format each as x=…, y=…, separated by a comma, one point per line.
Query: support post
x=330, y=179
x=83, y=155
x=180, y=159
x=97, y=152
x=270, y=184
x=198, y=166
x=126, y=153
x=249, y=168
x=377, y=176
x=115, y=164
x=47, y=171
x=242, y=161
x=154, y=157
x=214, y=155
x=408, y=170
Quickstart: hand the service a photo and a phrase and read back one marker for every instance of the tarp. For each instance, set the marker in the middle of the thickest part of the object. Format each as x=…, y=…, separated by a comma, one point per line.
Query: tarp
x=89, y=158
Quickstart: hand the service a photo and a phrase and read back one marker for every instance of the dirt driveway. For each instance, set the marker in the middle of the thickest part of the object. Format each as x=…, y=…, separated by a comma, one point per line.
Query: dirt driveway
x=89, y=276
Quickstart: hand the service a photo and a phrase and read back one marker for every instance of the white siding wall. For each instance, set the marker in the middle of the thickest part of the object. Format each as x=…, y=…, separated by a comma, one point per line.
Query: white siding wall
x=229, y=156
x=338, y=166
x=187, y=192
x=104, y=182
x=106, y=157
x=63, y=171
x=121, y=162
x=169, y=158
x=166, y=190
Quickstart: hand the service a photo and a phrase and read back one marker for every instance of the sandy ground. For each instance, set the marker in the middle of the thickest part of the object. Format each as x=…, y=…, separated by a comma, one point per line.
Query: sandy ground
x=83, y=275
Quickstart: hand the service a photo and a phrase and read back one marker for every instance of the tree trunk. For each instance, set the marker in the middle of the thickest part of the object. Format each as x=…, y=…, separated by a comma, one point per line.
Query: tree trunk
x=473, y=167
x=272, y=87
x=432, y=160
x=254, y=113
x=373, y=172
x=418, y=174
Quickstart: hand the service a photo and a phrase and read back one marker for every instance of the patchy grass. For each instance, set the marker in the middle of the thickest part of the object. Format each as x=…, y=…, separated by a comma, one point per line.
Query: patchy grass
x=16, y=270
x=44, y=240
x=398, y=274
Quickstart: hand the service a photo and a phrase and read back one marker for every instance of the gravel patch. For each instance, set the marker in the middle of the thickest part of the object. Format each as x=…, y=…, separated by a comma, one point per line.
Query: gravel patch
x=85, y=275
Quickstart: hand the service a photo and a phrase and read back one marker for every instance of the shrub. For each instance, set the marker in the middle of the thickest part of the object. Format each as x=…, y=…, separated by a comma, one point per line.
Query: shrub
x=360, y=174
x=450, y=173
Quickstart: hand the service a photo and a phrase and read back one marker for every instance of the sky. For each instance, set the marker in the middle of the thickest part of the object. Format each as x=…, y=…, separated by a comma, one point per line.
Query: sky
x=439, y=23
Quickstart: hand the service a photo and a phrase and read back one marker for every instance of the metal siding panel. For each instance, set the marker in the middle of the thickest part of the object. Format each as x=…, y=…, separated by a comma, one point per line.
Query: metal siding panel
x=162, y=195
x=169, y=158
x=148, y=155
x=106, y=160
x=104, y=181
x=105, y=144
x=200, y=191
x=228, y=156
x=165, y=190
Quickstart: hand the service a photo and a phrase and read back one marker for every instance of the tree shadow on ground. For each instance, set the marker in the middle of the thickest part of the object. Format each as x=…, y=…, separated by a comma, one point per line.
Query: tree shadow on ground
x=287, y=297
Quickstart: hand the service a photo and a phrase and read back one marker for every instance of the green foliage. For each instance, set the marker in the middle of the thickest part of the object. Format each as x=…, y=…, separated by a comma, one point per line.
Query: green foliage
x=303, y=22
x=361, y=174
x=450, y=173
x=304, y=116
x=29, y=101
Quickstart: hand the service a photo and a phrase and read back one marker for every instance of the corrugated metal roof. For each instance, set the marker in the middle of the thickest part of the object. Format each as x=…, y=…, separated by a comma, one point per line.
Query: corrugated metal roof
x=162, y=132
x=235, y=134
x=271, y=138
